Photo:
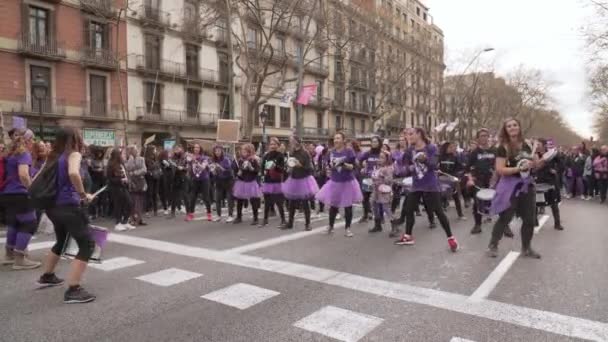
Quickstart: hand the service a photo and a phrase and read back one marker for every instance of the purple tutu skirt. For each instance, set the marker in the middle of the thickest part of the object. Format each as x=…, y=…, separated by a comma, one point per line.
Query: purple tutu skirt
x=272, y=188
x=299, y=189
x=246, y=190
x=340, y=194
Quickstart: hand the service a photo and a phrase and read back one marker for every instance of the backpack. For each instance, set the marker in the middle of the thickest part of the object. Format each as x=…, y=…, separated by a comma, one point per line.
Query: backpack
x=3, y=179
x=43, y=191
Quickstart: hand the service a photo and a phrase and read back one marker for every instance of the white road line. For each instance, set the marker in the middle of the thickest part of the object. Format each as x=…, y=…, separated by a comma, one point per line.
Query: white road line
x=241, y=296
x=169, y=277
x=116, y=263
x=541, y=223
x=40, y=245
x=282, y=239
x=551, y=322
x=458, y=339
x=484, y=290
x=340, y=324
x=490, y=283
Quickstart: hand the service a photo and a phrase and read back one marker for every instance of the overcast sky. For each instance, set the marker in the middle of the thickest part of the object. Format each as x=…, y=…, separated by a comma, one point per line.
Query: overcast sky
x=542, y=34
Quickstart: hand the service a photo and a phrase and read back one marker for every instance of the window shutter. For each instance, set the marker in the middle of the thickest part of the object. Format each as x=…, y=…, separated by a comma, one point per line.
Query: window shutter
x=52, y=27
x=86, y=32
x=25, y=19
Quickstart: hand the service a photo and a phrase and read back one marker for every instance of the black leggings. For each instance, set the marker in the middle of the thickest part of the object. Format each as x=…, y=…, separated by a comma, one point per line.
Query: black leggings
x=121, y=202
x=255, y=205
x=348, y=216
x=524, y=206
x=403, y=214
x=553, y=201
x=223, y=191
x=367, y=207
x=71, y=220
x=270, y=200
x=178, y=196
x=432, y=201
x=199, y=187
x=152, y=194
x=602, y=185
x=293, y=204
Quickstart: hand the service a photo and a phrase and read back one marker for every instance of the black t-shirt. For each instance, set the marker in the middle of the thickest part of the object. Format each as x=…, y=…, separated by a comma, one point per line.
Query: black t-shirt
x=481, y=164
x=513, y=160
x=273, y=166
x=545, y=174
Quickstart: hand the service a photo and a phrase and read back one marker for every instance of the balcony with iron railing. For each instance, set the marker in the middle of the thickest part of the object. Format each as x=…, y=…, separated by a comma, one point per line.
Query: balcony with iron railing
x=180, y=117
x=193, y=29
x=275, y=55
x=41, y=47
x=175, y=71
x=101, y=110
x=349, y=107
x=99, y=58
x=30, y=106
x=317, y=69
x=102, y=8
x=150, y=15
x=320, y=102
x=315, y=132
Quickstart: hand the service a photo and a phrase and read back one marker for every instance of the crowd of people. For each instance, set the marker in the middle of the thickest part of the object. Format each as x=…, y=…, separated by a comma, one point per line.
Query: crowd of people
x=392, y=184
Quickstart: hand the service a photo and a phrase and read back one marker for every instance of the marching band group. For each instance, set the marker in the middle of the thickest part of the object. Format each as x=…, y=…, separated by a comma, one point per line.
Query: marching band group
x=504, y=179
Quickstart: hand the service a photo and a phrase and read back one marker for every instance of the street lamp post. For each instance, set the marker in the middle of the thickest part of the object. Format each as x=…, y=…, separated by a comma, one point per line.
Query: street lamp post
x=263, y=118
x=39, y=88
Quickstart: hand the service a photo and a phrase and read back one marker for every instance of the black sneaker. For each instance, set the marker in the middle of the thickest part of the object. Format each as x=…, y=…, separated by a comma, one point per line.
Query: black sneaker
x=254, y=223
x=432, y=225
x=287, y=226
x=307, y=228
x=530, y=253
x=237, y=220
x=75, y=295
x=49, y=280
x=476, y=230
x=492, y=251
x=559, y=227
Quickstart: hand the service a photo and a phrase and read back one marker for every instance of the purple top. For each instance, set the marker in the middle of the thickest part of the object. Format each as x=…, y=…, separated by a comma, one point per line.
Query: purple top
x=199, y=168
x=66, y=193
x=337, y=159
x=13, y=183
x=371, y=161
x=398, y=166
x=423, y=173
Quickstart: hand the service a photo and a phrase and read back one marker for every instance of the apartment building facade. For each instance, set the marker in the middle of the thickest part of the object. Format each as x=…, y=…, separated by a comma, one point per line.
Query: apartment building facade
x=60, y=67
x=178, y=70
x=390, y=74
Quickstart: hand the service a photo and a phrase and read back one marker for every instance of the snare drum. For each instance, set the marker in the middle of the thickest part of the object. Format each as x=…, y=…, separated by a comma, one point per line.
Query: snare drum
x=541, y=189
x=406, y=185
x=367, y=185
x=291, y=162
x=98, y=234
x=484, y=201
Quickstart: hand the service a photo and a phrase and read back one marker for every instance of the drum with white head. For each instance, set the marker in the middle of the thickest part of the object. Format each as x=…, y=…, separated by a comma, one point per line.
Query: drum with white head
x=292, y=162
x=484, y=199
x=541, y=190
x=367, y=185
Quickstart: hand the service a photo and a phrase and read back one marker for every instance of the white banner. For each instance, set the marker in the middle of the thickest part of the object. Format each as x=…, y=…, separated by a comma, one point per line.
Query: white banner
x=452, y=125
x=440, y=127
x=287, y=98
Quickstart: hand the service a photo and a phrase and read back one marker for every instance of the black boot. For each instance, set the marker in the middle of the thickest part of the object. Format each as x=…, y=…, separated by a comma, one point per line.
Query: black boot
x=395, y=232
x=476, y=229
x=556, y=217
x=377, y=226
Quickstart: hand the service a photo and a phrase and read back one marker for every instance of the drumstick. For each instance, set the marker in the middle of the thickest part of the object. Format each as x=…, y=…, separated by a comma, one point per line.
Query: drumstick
x=454, y=178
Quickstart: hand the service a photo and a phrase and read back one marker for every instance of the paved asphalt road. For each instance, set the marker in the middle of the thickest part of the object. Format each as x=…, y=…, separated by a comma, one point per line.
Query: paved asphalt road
x=201, y=281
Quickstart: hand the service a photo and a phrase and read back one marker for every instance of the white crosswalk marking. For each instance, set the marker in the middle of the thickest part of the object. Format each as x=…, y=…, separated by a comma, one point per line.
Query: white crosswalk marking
x=241, y=296
x=168, y=277
x=458, y=339
x=116, y=263
x=341, y=324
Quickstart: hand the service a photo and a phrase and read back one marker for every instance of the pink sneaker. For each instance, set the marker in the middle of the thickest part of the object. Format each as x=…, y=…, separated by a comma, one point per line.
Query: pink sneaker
x=209, y=217
x=453, y=244
x=189, y=217
x=405, y=240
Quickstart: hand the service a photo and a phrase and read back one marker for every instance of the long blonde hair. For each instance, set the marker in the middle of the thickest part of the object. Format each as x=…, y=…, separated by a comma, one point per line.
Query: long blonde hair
x=504, y=139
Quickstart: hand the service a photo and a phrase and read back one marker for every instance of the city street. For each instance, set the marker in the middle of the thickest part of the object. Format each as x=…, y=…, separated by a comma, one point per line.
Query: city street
x=204, y=281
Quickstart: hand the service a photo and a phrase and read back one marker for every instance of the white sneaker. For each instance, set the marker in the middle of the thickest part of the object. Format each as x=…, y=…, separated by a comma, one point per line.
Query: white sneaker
x=217, y=219
x=120, y=227
x=230, y=219
x=130, y=226
x=583, y=198
x=349, y=233
x=338, y=217
x=166, y=212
